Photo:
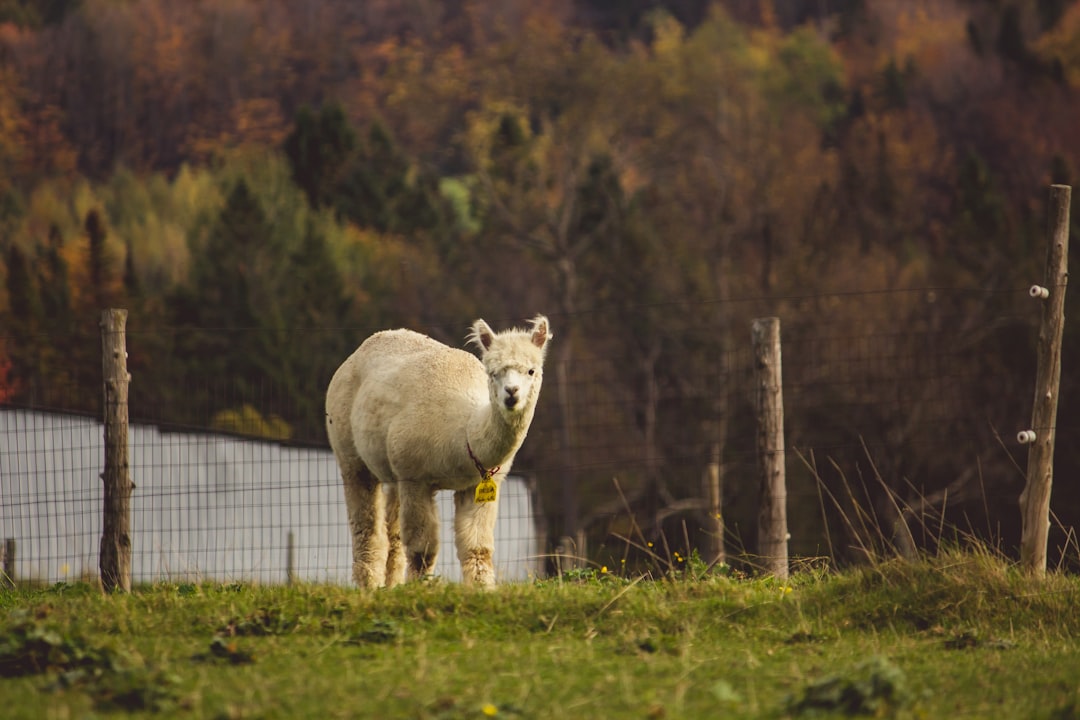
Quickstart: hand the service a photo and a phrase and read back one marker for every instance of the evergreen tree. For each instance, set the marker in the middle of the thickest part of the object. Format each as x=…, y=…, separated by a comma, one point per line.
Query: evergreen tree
x=372, y=182
x=223, y=328
x=894, y=83
x=383, y=190
x=982, y=207
x=314, y=311
x=1010, y=42
x=316, y=288
x=70, y=351
x=97, y=263
x=23, y=300
x=24, y=317
x=319, y=148
x=54, y=282
x=1050, y=12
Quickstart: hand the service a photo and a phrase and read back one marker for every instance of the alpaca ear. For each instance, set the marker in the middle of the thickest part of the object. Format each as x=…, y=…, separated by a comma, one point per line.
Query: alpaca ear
x=540, y=332
x=481, y=335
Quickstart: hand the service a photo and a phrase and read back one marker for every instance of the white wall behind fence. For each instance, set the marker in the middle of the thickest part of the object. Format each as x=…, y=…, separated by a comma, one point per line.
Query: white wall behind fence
x=204, y=507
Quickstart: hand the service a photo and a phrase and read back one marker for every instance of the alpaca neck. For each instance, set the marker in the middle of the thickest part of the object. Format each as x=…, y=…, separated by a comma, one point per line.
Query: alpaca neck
x=492, y=437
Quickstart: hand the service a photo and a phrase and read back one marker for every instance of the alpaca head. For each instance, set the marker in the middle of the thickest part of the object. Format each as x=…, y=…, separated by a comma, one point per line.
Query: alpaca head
x=514, y=361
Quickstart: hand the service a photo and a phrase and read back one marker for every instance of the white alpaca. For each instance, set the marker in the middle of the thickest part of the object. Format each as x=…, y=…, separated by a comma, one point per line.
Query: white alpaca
x=417, y=416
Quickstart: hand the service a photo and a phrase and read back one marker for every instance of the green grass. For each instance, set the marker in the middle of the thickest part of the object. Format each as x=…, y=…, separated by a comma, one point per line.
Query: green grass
x=959, y=635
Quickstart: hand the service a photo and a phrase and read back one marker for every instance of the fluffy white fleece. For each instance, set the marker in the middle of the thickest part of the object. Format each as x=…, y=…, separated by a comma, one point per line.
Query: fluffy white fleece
x=414, y=415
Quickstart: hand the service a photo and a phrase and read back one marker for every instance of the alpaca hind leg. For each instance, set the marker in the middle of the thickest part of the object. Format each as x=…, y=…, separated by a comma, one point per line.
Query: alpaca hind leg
x=364, y=504
x=474, y=535
x=395, y=558
x=419, y=527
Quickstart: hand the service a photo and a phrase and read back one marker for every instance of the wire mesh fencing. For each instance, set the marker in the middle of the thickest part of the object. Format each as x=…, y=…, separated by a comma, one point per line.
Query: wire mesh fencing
x=901, y=413
x=206, y=507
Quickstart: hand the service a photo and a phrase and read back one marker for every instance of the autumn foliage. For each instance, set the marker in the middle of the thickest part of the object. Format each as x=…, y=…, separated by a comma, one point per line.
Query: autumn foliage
x=264, y=182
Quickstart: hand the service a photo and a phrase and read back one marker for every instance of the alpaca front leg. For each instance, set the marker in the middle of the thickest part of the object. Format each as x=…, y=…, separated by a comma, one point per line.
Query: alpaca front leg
x=395, y=557
x=365, y=507
x=474, y=535
x=419, y=527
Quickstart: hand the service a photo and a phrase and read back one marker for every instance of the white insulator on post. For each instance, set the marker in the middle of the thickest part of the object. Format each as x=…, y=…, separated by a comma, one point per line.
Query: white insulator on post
x=1038, y=291
x=1025, y=436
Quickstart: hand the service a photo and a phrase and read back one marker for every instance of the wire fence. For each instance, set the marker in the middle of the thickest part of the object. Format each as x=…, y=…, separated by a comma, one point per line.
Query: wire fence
x=901, y=407
x=206, y=507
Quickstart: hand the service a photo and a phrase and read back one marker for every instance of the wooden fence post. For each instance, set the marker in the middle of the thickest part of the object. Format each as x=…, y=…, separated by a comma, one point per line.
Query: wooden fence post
x=290, y=558
x=713, y=491
x=769, y=405
x=115, y=558
x=8, y=578
x=566, y=555
x=1035, y=499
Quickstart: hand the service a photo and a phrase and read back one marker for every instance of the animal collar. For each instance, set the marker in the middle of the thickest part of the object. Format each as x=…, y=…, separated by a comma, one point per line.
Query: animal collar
x=485, y=474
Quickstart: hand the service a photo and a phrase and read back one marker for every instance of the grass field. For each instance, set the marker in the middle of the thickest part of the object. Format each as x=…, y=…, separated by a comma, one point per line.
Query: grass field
x=958, y=635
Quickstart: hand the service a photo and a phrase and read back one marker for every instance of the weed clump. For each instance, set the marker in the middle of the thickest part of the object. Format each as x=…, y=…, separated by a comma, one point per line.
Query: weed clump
x=115, y=680
x=30, y=647
x=378, y=632
x=874, y=687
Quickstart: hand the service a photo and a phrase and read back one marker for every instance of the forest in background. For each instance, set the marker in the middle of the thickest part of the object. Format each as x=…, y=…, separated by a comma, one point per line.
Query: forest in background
x=265, y=182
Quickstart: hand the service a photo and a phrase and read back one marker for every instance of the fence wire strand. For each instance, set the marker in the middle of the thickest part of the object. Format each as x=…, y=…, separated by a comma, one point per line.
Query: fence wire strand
x=918, y=411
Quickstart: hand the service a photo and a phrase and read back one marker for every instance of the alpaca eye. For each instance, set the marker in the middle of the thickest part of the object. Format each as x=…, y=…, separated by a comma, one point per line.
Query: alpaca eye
x=532, y=372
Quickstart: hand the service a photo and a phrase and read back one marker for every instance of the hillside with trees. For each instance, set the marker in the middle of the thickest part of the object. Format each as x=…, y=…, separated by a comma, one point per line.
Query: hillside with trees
x=265, y=182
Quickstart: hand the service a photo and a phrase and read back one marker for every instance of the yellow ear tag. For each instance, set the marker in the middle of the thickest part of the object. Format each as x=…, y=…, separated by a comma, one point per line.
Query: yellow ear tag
x=486, y=491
